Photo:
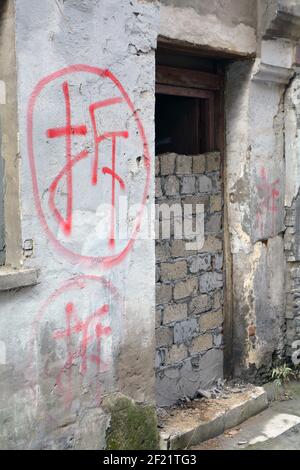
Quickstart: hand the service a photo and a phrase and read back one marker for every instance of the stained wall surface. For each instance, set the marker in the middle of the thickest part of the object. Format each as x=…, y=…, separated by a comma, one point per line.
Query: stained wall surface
x=86, y=330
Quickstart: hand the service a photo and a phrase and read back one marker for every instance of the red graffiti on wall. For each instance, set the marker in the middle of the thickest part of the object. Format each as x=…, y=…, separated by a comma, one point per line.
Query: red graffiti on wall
x=91, y=330
x=79, y=338
x=268, y=194
x=68, y=132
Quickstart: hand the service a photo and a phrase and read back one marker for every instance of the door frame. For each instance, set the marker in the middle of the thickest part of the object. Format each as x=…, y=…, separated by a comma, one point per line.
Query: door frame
x=210, y=86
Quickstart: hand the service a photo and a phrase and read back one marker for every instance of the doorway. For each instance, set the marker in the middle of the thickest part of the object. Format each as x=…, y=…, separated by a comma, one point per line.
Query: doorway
x=189, y=283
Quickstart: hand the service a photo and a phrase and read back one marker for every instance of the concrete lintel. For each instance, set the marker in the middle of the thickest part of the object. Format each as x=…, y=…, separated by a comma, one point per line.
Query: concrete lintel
x=273, y=74
x=15, y=278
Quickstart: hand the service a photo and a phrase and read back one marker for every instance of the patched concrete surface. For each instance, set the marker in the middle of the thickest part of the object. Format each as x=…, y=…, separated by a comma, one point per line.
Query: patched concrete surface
x=276, y=428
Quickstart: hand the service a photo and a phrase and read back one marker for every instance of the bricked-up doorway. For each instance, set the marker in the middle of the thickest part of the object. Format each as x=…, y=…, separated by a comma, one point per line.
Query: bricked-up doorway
x=189, y=284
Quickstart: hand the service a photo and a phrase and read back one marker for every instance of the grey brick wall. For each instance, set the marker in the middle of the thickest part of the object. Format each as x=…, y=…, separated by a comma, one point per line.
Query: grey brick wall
x=189, y=284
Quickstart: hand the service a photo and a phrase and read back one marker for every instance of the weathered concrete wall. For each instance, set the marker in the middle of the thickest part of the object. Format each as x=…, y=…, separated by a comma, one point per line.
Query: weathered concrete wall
x=229, y=26
x=292, y=203
x=189, y=284
x=261, y=180
x=255, y=192
x=86, y=331
x=9, y=136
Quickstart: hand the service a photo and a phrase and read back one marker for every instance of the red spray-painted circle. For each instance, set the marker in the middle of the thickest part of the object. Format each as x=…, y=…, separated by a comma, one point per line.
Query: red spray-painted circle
x=104, y=262
x=75, y=288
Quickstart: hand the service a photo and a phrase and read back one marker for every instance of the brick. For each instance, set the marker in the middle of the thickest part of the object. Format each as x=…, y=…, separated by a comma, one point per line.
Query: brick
x=174, y=312
x=212, y=243
x=176, y=353
x=205, y=184
x=163, y=336
x=163, y=293
x=193, y=200
x=158, y=190
x=158, y=317
x=185, y=288
x=157, y=273
x=171, y=271
x=210, y=281
x=167, y=164
x=218, y=340
x=213, y=161
x=201, y=343
x=171, y=186
x=215, y=203
x=217, y=261
x=199, y=304
x=162, y=251
x=160, y=356
x=198, y=163
x=188, y=185
x=185, y=330
x=199, y=263
x=184, y=164
x=216, y=182
x=210, y=320
x=157, y=166
x=217, y=299
x=214, y=223
x=178, y=248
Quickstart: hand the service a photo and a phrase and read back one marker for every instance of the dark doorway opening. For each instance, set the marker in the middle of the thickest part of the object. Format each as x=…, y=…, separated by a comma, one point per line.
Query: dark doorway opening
x=189, y=103
x=181, y=125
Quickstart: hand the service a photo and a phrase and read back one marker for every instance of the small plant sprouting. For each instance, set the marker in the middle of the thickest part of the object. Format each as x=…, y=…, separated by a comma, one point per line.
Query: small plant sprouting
x=283, y=374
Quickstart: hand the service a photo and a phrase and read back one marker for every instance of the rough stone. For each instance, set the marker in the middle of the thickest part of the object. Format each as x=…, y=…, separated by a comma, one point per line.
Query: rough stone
x=210, y=321
x=199, y=263
x=163, y=293
x=185, y=288
x=188, y=185
x=171, y=186
x=210, y=281
x=213, y=223
x=215, y=203
x=167, y=164
x=164, y=336
x=171, y=271
x=217, y=261
x=158, y=317
x=184, y=164
x=213, y=162
x=158, y=189
x=162, y=250
x=176, y=353
x=199, y=304
x=201, y=343
x=198, y=164
x=205, y=184
x=174, y=312
x=185, y=330
x=211, y=244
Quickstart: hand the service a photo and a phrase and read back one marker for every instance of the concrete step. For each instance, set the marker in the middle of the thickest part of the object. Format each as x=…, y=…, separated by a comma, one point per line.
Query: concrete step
x=203, y=419
x=276, y=428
